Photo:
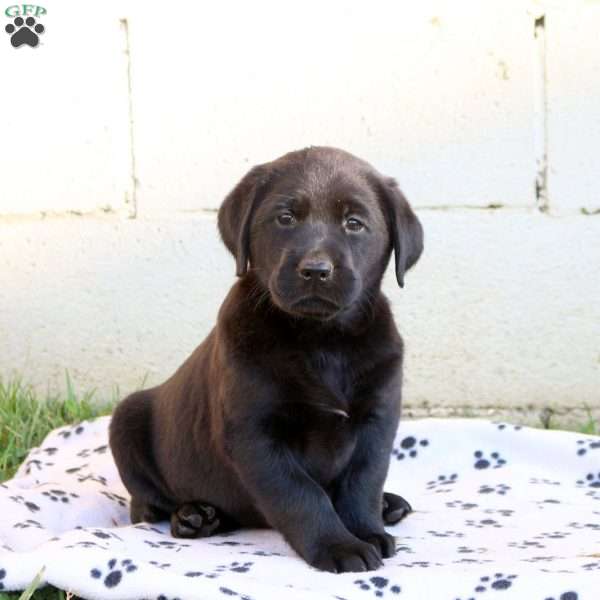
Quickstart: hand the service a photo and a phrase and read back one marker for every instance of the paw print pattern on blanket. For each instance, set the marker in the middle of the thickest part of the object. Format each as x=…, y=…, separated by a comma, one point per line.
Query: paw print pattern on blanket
x=507, y=426
x=591, y=480
x=66, y=432
x=160, y=565
x=28, y=524
x=166, y=545
x=31, y=506
x=229, y=592
x=497, y=582
x=483, y=523
x=584, y=446
x=445, y=534
x=92, y=477
x=379, y=586
x=59, y=495
x=120, y=500
x=2, y=576
x=492, y=511
x=461, y=504
x=35, y=465
x=500, y=488
x=442, y=480
x=234, y=567
x=409, y=447
x=495, y=460
x=114, y=572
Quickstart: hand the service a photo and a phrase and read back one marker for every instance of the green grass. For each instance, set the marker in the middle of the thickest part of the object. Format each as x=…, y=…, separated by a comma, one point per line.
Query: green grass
x=25, y=420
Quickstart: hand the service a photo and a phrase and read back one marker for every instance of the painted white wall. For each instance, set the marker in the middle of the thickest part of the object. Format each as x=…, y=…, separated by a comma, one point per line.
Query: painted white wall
x=501, y=310
x=504, y=308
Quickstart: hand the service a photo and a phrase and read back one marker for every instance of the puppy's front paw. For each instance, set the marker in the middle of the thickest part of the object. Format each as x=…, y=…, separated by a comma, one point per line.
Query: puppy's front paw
x=383, y=542
x=348, y=557
x=194, y=520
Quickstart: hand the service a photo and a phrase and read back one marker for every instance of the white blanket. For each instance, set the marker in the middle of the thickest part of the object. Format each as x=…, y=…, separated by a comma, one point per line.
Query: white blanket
x=501, y=512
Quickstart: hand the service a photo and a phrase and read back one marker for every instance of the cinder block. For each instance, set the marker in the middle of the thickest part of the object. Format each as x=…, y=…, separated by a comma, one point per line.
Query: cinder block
x=437, y=95
x=573, y=67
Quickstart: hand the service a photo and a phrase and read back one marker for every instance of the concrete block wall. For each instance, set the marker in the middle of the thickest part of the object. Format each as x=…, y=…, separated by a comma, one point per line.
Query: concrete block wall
x=122, y=139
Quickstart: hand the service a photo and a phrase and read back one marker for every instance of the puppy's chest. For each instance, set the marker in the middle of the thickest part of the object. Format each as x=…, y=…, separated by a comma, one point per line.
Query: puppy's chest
x=324, y=415
x=330, y=378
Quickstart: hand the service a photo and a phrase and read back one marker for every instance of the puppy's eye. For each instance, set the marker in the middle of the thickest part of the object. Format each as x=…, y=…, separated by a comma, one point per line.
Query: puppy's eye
x=353, y=225
x=286, y=219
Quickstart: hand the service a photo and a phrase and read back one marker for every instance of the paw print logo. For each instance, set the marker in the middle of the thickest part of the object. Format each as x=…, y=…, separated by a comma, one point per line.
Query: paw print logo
x=441, y=481
x=584, y=446
x=408, y=447
x=495, y=460
x=24, y=32
x=591, y=480
x=497, y=582
x=115, y=574
x=501, y=489
x=379, y=585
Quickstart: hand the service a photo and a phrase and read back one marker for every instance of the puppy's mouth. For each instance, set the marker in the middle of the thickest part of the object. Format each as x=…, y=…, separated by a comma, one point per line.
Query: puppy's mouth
x=315, y=307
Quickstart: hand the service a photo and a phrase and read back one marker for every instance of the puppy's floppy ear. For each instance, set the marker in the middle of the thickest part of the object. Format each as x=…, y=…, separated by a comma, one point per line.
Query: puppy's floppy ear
x=235, y=215
x=405, y=229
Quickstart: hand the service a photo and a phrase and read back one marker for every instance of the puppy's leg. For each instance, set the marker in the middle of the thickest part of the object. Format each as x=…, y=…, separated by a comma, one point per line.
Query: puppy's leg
x=292, y=501
x=143, y=512
x=358, y=495
x=131, y=445
x=395, y=508
x=200, y=519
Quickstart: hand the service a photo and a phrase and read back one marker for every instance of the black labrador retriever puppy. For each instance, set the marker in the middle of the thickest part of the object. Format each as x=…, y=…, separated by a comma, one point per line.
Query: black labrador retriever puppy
x=285, y=415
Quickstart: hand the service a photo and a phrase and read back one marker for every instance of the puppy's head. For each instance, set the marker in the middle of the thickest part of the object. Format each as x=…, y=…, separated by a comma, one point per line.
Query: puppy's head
x=317, y=227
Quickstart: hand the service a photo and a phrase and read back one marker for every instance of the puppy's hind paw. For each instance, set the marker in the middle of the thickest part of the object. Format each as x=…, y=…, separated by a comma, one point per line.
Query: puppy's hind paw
x=194, y=520
x=395, y=508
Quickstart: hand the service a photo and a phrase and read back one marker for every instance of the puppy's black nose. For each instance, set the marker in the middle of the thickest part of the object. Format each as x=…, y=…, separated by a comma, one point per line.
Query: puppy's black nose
x=317, y=270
